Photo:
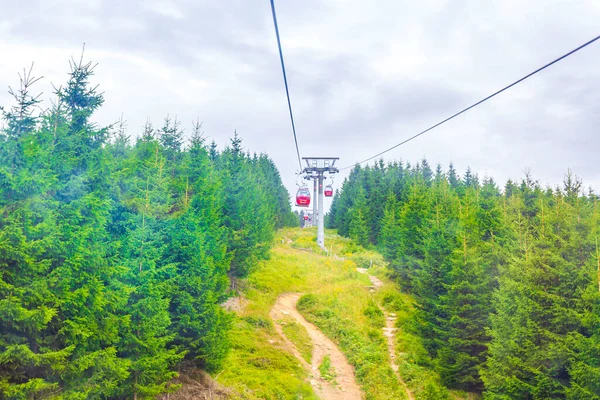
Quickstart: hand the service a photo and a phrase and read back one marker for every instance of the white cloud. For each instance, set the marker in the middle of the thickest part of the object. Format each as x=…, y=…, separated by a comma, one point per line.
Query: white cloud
x=363, y=75
x=167, y=9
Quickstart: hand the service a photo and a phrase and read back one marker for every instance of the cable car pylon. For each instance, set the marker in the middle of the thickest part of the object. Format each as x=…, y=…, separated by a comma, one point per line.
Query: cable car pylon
x=316, y=168
x=315, y=203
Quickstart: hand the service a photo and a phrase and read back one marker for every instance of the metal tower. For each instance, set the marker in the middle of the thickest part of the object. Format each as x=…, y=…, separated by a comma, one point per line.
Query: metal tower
x=316, y=168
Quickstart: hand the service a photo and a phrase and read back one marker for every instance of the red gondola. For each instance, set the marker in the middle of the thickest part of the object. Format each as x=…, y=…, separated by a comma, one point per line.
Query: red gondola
x=303, y=197
x=328, y=191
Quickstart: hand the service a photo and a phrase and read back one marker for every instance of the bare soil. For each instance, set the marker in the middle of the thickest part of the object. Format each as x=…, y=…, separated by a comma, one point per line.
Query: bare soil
x=344, y=387
x=197, y=385
x=235, y=304
x=389, y=331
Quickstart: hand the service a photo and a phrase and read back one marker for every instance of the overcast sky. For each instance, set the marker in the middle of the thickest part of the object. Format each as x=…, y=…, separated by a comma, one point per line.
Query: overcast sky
x=363, y=75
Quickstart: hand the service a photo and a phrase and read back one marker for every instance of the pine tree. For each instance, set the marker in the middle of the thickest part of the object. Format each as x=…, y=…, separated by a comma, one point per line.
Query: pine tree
x=539, y=304
x=439, y=174
x=145, y=340
x=20, y=119
x=359, y=230
x=505, y=286
x=197, y=248
x=29, y=361
x=31, y=358
x=467, y=302
x=247, y=213
x=171, y=138
x=113, y=257
x=413, y=216
x=426, y=171
x=390, y=232
x=431, y=278
x=85, y=274
x=584, y=368
x=453, y=177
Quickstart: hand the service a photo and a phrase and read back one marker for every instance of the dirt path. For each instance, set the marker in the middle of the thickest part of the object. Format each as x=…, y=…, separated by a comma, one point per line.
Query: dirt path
x=346, y=387
x=389, y=331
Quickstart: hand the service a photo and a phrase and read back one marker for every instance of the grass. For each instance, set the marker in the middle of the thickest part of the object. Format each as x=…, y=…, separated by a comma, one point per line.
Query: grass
x=415, y=365
x=298, y=335
x=338, y=302
x=326, y=370
x=344, y=317
x=258, y=366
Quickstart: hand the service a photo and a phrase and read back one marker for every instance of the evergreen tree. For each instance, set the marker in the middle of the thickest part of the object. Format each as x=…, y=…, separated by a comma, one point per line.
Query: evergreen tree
x=197, y=248
x=86, y=274
x=249, y=217
x=171, y=138
x=413, y=216
x=453, y=177
x=467, y=301
x=30, y=360
x=426, y=171
x=505, y=285
x=584, y=368
x=146, y=339
x=530, y=350
x=359, y=231
x=390, y=233
x=113, y=257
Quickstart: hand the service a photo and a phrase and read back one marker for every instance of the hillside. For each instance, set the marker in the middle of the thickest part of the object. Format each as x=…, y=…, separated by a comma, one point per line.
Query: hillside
x=505, y=279
x=271, y=357
x=158, y=266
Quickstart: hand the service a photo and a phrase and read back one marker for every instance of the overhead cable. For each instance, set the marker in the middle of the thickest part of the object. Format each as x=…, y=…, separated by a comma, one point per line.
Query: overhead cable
x=287, y=91
x=478, y=103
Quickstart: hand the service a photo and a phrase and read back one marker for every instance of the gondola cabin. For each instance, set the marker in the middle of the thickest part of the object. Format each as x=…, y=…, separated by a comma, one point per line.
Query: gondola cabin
x=328, y=191
x=303, y=197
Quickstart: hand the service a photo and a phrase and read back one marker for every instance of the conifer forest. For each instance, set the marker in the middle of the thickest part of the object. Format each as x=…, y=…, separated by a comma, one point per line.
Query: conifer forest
x=505, y=278
x=116, y=253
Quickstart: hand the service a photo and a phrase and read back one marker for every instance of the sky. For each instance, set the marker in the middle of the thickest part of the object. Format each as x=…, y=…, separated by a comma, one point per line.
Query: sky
x=363, y=76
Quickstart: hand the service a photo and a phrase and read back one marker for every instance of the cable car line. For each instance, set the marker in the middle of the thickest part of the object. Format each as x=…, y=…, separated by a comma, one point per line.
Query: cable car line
x=303, y=193
x=287, y=91
x=478, y=103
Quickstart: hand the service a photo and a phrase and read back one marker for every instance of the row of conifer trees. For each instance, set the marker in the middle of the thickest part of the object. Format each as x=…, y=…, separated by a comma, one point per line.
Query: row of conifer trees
x=115, y=254
x=506, y=282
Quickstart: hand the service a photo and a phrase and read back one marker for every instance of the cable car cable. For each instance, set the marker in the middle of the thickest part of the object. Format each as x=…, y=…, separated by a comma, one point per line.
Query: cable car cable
x=478, y=103
x=287, y=92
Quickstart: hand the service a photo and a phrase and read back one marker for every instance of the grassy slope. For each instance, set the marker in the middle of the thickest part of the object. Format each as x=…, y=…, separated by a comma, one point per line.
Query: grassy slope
x=339, y=303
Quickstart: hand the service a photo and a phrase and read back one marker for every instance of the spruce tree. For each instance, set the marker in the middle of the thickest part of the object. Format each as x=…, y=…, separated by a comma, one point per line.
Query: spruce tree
x=197, y=249
x=358, y=229
x=146, y=338
x=113, y=257
x=390, y=232
x=247, y=213
x=453, y=178
x=29, y=361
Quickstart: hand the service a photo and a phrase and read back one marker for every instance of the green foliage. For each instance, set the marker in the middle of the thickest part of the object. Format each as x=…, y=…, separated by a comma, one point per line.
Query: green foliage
x=505, y=284
x=114, y=257
x=298, y=335
x=326, y=369
x=367, y=259
x=259, y=370
x=254, y=204
x=374, y=313
x=358, y=229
